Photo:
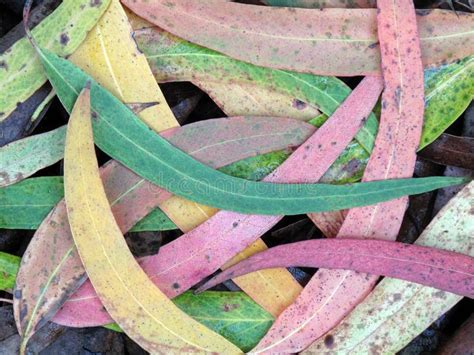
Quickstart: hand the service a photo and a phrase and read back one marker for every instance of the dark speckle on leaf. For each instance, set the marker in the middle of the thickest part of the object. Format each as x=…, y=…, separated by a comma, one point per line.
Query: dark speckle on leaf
x=64, y=39
x=299, y=105
x=329, y=341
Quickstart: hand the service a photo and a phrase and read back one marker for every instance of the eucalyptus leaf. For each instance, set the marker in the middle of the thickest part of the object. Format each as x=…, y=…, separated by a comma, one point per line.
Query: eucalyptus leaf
x=119, y=133
x=21, y=73
x=231, y=314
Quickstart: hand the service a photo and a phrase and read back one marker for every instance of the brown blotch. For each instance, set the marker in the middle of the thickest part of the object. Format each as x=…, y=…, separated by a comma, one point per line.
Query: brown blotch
x=3, y=65
x=64, y=39
x=373, y=45
x=230, y=307
x=95, y=3
x=299, y=105
x=329, y=341
x=176, y=285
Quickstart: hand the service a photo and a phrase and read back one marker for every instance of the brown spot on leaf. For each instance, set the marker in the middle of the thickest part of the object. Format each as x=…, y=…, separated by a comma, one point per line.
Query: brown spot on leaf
x=230, y=307
x=299, y=105
x=329, y=341
x=64, y=39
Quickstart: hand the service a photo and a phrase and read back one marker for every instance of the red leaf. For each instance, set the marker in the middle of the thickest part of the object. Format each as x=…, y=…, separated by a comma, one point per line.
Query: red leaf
x=442, y=269
x=197, y=254
x=331, y=295
x=51, y=269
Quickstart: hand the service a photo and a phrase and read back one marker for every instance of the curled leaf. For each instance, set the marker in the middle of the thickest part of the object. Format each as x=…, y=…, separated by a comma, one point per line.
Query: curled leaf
x=145, y=314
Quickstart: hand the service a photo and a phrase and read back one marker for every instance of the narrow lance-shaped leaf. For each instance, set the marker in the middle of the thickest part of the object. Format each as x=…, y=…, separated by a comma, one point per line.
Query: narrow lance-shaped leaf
x=298, y=39
x=232, y=314
x=312, y=4
x=215, y=142
x=120, y=134
x=21, y=73
x=445, y=270
x=331, y=295
x=173, y=59
x=145, y=314
x=51, y=269
x=449, y=88
x=195, y=255
x=397, y=311
x=276, y=285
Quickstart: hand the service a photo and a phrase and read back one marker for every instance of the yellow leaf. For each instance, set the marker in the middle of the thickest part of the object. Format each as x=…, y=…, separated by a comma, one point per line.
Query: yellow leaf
x=252, y=100
x=109, y=54
x=133, y=301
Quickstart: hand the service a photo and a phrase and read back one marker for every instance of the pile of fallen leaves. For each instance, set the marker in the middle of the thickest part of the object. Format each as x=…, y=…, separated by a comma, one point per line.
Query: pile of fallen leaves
x=341, y=160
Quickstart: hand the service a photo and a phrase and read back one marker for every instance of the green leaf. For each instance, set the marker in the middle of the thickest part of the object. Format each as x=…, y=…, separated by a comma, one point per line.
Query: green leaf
x=449, y=90
x=21, y=73
x=233, y=315
x=24, y=157
x=9, y=265
x=26, y=204
x=119, y=133
x=156, y=220
x=173, y=59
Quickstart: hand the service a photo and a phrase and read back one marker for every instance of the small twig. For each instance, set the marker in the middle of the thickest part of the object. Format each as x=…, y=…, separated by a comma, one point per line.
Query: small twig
x=6, y=300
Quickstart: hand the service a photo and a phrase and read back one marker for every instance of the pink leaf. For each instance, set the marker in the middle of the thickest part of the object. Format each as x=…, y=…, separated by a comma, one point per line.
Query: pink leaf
x=51, y=269
x=442, y=269
x=339, y=42
x=331, y=295
x=197, y=254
